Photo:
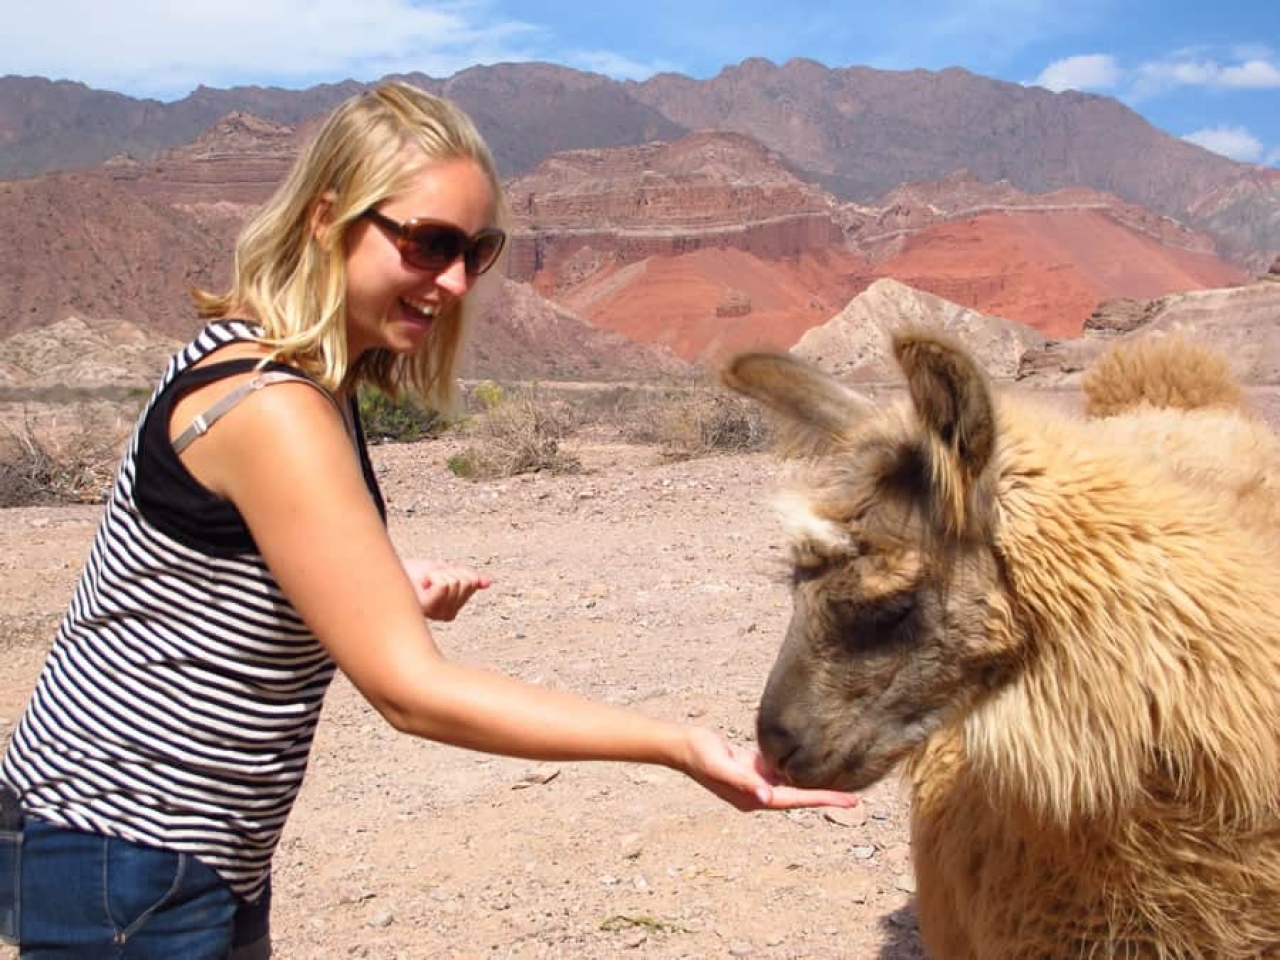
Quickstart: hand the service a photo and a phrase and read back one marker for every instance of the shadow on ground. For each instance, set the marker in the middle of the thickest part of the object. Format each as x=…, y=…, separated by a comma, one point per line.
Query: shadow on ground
x=902, y=935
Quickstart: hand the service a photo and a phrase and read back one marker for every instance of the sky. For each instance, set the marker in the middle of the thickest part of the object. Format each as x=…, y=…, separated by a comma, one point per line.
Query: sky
x=1207, y=71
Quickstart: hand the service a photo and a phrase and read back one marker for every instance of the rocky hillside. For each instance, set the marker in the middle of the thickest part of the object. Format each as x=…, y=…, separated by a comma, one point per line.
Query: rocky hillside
x=1240, y=321
x=854, y=344
x=76, y=354
x=89, y=245
x=699, y=246
x=521, y=335
x=858, y=131
x=1049, y=266
x=704, y=191
x=711, y=243
x=1243, y=322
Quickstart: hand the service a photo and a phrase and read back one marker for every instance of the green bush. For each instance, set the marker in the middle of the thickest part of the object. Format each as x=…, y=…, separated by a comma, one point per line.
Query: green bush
x=397, y=419
x=461, y=465
x=487, y=394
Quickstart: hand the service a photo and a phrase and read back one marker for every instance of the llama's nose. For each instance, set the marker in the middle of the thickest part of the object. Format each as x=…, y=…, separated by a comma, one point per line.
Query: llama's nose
x=777, y=744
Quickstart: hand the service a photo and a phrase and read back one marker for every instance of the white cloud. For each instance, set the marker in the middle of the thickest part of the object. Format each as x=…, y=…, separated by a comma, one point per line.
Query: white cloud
x=1253, y=75
x=161, y=48
x=1093, y=71
x=1234, y=142
x=614, y=65
x=1159, y=76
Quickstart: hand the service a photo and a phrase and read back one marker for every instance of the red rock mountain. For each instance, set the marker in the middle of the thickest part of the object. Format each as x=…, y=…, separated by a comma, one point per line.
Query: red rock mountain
x=711, y=244
x=858, y=131
x=698, y=246
x=692, y=243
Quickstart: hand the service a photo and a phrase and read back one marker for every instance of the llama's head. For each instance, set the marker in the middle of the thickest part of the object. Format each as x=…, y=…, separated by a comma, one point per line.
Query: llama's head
x=900, y=610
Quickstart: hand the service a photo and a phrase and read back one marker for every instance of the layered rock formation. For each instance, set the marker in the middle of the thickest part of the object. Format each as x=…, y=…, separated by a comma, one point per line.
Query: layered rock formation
x=629, y=238
x=1240, y=321
x=84, y=354
x=238, y=161
x=857, y=131
x=702, y=245
x=520, y=335
x=855, y=343
x=880, y=230
x=706, y=191
x=1048, y=267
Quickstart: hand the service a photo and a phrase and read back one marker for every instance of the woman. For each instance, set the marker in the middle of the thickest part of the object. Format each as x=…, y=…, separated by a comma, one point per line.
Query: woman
x=243, y=557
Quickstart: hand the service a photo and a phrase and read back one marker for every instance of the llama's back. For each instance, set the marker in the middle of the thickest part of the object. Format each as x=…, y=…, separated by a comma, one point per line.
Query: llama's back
x=1176, y=402
x=1161, y=372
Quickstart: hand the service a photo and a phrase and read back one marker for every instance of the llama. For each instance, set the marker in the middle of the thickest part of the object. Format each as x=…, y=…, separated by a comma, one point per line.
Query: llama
x=1065, y=629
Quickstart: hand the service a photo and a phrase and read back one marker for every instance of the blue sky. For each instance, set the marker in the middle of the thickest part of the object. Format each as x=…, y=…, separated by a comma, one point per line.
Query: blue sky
x=1209, y=72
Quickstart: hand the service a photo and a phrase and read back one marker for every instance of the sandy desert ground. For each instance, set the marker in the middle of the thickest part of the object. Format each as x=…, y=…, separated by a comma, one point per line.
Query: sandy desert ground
x=656, y=585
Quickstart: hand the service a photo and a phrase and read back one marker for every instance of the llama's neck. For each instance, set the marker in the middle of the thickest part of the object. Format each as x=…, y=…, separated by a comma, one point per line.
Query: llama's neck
x=1152, y=631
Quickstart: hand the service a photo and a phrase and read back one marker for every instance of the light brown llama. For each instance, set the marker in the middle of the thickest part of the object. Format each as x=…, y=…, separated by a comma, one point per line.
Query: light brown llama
x=1067, y=628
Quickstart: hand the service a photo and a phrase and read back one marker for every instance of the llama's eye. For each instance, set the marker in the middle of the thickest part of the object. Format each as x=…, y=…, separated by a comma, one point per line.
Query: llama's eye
x=869, y=623
x=804, y=572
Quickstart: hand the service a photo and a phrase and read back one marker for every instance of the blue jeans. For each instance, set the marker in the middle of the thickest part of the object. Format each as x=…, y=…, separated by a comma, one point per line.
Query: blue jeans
x=89, y=896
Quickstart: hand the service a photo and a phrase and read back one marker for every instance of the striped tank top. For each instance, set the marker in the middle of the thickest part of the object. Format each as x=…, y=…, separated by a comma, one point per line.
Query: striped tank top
x=178, y=702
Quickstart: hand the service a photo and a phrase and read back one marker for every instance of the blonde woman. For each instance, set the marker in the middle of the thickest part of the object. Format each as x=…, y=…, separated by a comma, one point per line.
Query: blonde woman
x=243, y=557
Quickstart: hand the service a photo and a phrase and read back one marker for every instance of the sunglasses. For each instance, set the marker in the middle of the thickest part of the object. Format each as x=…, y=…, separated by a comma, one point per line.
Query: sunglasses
x=433, y=245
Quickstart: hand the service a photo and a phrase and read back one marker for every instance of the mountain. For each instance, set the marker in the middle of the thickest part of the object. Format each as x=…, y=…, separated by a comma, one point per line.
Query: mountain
x=702, y=245
x=856, y=131
x=1240, y=321
x=519, y=335
x=84, y=244
x=50, y=125
x=712, y=243
x=1049, y=267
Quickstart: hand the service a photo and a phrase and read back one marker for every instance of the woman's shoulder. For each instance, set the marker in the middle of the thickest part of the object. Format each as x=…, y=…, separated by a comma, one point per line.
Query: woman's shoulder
x=222, y=331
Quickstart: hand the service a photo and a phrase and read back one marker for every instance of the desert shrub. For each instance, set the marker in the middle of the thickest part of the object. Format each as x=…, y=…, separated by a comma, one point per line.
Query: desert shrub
x=72, y=460
x=461, y=465
x=396, y=419
x=685, y=424
x=521, y=432
x=486, y=394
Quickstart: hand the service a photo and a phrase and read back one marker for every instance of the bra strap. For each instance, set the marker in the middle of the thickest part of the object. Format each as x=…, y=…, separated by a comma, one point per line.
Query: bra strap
x=203, y=421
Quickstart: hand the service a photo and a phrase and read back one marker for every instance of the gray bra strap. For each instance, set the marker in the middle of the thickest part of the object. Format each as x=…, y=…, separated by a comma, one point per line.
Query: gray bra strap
x=202, y=422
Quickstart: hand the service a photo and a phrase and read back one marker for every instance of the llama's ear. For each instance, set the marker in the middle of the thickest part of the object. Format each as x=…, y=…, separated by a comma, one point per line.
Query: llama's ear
x=951, y=396
x=954, y=404
x=819, y=410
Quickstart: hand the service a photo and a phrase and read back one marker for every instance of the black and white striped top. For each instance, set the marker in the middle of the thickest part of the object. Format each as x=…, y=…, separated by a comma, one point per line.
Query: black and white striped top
x=178, y=703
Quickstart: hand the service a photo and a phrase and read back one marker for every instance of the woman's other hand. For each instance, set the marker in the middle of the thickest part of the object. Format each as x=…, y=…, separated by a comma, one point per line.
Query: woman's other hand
x=443, y=588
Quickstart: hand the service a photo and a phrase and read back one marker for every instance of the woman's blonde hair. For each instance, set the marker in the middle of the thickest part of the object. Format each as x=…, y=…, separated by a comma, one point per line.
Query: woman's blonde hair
x=291, y=278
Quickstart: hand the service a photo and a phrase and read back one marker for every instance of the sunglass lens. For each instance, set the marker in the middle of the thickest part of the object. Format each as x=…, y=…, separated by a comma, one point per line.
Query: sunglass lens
x=434, y=247
x=482, y=252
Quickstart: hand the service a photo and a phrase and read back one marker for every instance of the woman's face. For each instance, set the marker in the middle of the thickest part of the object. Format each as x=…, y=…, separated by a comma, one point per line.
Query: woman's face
x=390, y=304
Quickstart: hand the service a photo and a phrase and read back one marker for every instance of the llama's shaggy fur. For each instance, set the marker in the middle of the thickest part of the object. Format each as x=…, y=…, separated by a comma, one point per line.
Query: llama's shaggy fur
x=1068, y=628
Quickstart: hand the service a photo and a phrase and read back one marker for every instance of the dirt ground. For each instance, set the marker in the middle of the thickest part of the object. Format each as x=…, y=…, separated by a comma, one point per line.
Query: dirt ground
x=655, y=585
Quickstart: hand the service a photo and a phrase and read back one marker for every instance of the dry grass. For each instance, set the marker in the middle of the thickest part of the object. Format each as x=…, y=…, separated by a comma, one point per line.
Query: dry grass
x=70, y=458
x=690, y=423
x=516, y=432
